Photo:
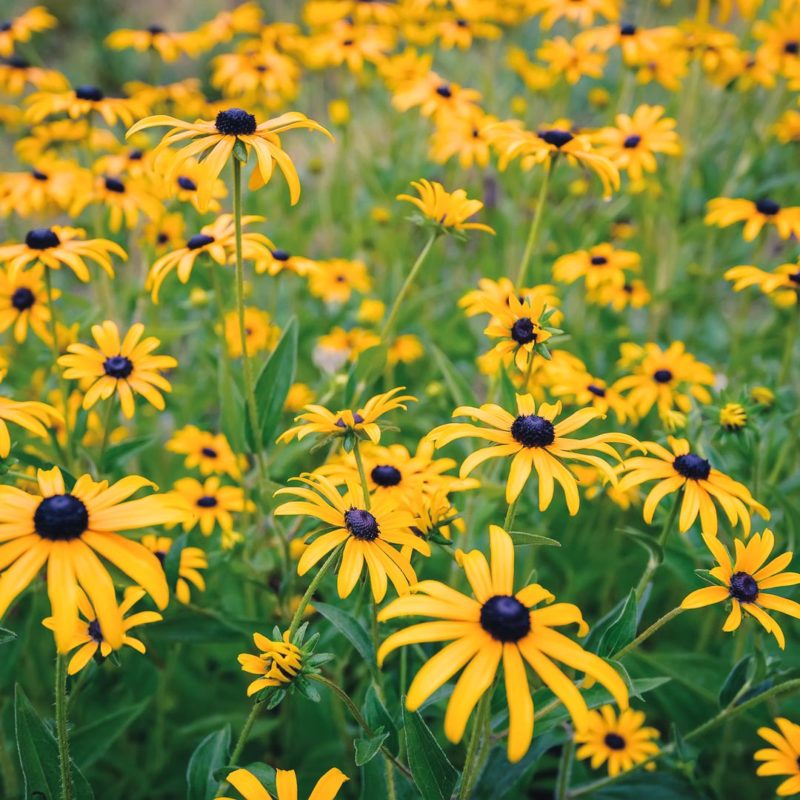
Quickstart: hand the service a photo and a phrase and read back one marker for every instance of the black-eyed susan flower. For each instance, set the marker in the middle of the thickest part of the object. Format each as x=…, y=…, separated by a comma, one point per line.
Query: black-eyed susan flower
x=666, y=379
x=354, y=45
x=170, y=45
x=571, y=59
x=232, y=127
x=23, y=303
x=434, y=95
x=257, y=71
x=533, y=441
x=462, y=137
x=633, y=293
x=210, y=503
x=260, y=333
x=83, y=101
x=87, y=637
x=496, y=625
x=22, y=27
x=206, y=451
x=783, y=758
x=119, y=366
x=16, y=74
x=279, y=260
x=523, y=328
x=278, y=663
x=745, y=580
x=584, y=389
x=217, y=239
x=49, y=187
x=68, y=530
x=335, y=279
x=369, y=530
x=186, y=182
x=492, y=293
x=250, y=787
x=404, y=349
x=57, y=246
x=446, y=212
x=620, y=741
x=362, y=423
x=581, y=12
x=33, y=416
x=599, y=265
x=782, y=284
x=192, y=560
x=733, y=417
x=724, y=211
x=681, y=470
x=225, y=24
x=126, y=201
x=762, y=396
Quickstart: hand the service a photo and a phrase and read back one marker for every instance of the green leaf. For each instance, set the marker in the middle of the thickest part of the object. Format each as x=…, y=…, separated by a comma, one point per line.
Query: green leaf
x=172, y=561
x=272, y=386
x=231, y=406
x=352, y=630
x=31, y=460
x=7, y=636
x=116, y=453
x=508, y=392
x=456, y=383
x=367, y=749
x=622, y=630
x=240, y=150
x=647, y=542
x=377, y=716
x=370, y=363
x=523, y=539
x=90, y=742
x=705, y=574
x=38, y=755
x=737, y=681
x=434, y=775
x=211, y=754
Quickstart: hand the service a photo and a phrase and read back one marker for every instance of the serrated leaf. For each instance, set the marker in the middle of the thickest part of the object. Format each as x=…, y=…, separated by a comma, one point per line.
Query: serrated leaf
x=523, y=539
x=456, y=383
x=622, y=630
x=434, y=775
x=211, y=754
x=352, y=630
x=367, y=749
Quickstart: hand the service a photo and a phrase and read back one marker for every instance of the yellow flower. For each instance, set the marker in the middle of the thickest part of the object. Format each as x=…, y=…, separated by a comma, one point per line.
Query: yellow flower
x=371, y=310
x=209, y=503
x=206, y=451
x=124, y=199
x=581, y=12
x=622, y=741
x=17, y=73
x=59, y=246
x=278, y=260
x=535, y=442
x=723, y=212
x=497, y=625
x=745, y=580
x=462, y=136
x=299, y=395
x=264, y=72
x=571, y=59
x=522, y=325
x=250, y=787
x=193, y=559
x=21, y=28
x=584, y=389
x=783, y=283
x=405, y=349
x=123, y=367
x=633, y=293
x=83, y=101
x=231, y=127
x=259, y=331
x=733, y=416
x=339, y=112
x=278, y=663
x=434, y=95
x=447, y=211
x=783, y=758
x=335, y=279
x=681, y=470
x=31, y=415
x=67, y=530
x=762, y=396
x=87, y=635
x=368, y=533
x=23, y=303
x=168, y=44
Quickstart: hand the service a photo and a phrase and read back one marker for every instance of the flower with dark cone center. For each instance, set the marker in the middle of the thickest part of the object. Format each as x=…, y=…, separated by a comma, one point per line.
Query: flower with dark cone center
x=523, y=331
x=23, y=298
x=95, y=632
x=89, y=93
x=743, y=587
x=235, y=122
x=199, y=240
x=632, y=141
x=357, y=418
x=531, y=430
x=39, y=176
x=462, y=23
x=505, y=619
x=118, y=367
x=613, y=741
x=154, y=29
x=42, y=239
x=281, y=255
x=662, y=376
x=136, y=155
x=61, y=517
x=187, y=183
x=627, y=29
x=161, y=555
x=597, y=391
x=795, y=278
x=6, y=25
x=692, y=466
x=767, y=207
x=207, y=501
x=361, y=524
x=599, y=261
x=444, y=91
x=556, y=137
x=209, y=452
x=386, y=475
x=791, y=48
x=627, y=288
x=115, y=185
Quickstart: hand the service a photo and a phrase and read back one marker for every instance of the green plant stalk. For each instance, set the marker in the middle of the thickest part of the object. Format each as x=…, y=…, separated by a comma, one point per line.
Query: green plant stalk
x=727, y=713
x=110, y=405
x=62, y=735
x=241, y=742
x=362, y=474
x=565, y=768
x=788, y=348
x=533, y=231
x=511, y=512
x=404, y=289
x=652, y=563
x=356, y=714
x=648, y=632
x=312, y=587
x=476, y=747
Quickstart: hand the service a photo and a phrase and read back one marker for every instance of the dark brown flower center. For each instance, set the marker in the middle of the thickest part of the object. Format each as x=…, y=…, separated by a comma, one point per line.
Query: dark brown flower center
x=767, y=207
x=207, y=501
x=632, y=141
x=235, y=122
x=209, y=452
x=614, y=741
x=89, y=93
x=531, y=430
x=743, y=587
x=115, y=185
x=386, y=475
x=597, y=391
x=523, y=331
x=505, y=619
x=23, y=298
x=199, y=240
x=662, y=376
x=187, y=183
x=361, y=524
x=281, y=255
x=556, y=137
x=95, y=632
x=118, y=367
x=42, y=239
x=692, y=466
x=61, y=517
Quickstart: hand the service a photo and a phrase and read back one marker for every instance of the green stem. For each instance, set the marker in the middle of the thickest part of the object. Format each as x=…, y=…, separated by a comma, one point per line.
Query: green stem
x=62, y=735
x=356, y=714
x=398, y=301
x=648, y=632
x=312, y=587
x=727, y=713
x=565, y=768
x=654, y=561
x=510, y=514
x=533, y=231
x=788, y=349
x=110, y=405
x=362, y=474
x=476, y=747
x=241, y=742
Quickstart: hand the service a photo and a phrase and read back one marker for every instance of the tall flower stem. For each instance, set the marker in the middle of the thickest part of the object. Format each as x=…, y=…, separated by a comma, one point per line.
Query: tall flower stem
x=510, y=514
x=476, y=749
x=247, y=367
x=533, y=231
x=792, y=330
x=312, y=587
x=654, y=562
x=565, y=767
x=62, y=736
x=107, y=422
x=241, y=742
x=648, y=632
x=362, y=474
x=410, y=278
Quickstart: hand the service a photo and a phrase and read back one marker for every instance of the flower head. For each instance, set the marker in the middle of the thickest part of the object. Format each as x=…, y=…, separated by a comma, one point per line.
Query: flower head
x=278, y=663
x=208, y=452
x=210, y=503
x=250, y=788
x=31, y=415
x=192, y=560
x=724, y=211
x=446, y=212
x=523, y=327
x=783, y=758
x=782, y=284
